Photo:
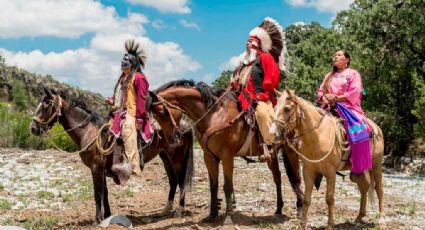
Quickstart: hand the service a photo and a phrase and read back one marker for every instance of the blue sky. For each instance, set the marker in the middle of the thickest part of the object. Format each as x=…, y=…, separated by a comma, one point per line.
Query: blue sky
x=81, y=42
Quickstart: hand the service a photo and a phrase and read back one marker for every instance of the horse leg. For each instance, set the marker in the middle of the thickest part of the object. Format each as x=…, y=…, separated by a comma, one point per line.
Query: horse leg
x=274, y=167
x=330, y=200
x=309, y=182
x=363, y=184
x=228, y=188
x=377, y=176
x=292, y=167
x=98, y=176
x=172, y=181
x=212, y=167
x=105, y=200
x=184, y=175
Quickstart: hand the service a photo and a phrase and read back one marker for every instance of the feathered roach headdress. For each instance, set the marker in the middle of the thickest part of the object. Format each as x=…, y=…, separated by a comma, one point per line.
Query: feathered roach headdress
x=273, y=41
x=135, y=56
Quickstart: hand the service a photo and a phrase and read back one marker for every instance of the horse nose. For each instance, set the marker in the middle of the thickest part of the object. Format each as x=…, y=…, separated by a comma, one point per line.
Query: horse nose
x=273, y=130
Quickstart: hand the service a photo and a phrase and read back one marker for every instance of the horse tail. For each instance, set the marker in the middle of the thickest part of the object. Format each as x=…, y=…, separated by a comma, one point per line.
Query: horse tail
x=293, y=172
x=190, y=170
x=371, y=192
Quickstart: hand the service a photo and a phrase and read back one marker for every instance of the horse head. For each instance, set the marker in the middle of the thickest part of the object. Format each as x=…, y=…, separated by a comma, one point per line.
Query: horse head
x=167, y=115
x=47, y=113
x=287, y=113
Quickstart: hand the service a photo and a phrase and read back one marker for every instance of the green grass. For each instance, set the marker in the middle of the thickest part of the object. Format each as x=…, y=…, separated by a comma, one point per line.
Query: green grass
x=411, y=209
x=1, y=187
x=8, y=221
x=5, y=204
x=85, y=189
x=42, y=223
x=45, y=195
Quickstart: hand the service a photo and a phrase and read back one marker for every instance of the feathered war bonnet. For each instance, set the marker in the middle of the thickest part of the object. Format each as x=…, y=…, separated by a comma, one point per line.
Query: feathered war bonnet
x=273, y=41
x=135, y=56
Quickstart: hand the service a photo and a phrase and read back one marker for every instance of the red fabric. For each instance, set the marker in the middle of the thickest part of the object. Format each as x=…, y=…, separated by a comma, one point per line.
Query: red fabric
x=269, y=84
x=141, y=86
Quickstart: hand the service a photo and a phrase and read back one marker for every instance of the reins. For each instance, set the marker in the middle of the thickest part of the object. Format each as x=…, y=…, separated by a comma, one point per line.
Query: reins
x=85, y=122
x=194, y=124
x=336, y=138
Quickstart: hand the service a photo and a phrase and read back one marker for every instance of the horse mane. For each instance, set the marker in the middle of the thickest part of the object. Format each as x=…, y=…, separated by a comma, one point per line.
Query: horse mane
x=82, y=109
x=208, y=93
x=183, y=82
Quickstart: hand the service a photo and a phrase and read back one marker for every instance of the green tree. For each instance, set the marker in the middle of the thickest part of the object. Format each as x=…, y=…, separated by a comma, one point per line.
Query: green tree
x=223, y=80
x=387, y=39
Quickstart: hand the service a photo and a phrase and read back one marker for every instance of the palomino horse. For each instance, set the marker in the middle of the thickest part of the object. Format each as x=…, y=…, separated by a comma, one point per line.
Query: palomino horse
x=221, y=131
x=320, y=145
x=83, y=127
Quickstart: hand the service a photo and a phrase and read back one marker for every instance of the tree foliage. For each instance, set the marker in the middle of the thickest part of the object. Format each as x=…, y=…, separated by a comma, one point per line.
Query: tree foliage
x=386, y=43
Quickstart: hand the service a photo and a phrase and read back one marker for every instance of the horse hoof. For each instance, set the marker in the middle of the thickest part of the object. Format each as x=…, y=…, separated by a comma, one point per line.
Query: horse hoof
x=179, y=212
x=278, y=213
x=358, y=220
x=228, y=220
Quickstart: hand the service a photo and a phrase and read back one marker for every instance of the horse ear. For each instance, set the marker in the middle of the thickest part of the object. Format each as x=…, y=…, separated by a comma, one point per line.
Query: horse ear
x=48, y=92
x=153, y=96
x=290, y=92
x=279, y=94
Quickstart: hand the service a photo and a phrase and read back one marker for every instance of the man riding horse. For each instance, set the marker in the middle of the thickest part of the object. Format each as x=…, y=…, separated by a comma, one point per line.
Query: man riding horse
x=129, y=110
x=258, y=75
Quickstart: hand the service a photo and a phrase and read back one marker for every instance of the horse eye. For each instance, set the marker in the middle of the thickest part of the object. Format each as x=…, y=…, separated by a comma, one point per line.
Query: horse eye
x=286, y=109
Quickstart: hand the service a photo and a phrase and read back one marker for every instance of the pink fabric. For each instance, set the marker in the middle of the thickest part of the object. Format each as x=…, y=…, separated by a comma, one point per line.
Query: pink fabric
x=349, y=84
x=141, y=86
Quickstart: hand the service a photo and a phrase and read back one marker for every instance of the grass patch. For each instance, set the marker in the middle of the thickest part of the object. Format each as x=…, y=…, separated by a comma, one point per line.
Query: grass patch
x=85, y=189
x=411, y=209
x=45, y=195
x=127, y=192
x=1, y=187
x=5, y=204
x=23, y=198
x=8, y=221
x=67, y=198
x=42, y=223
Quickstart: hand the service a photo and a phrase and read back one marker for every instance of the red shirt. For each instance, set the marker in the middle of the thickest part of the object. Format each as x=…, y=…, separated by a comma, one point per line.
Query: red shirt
x=269, y=84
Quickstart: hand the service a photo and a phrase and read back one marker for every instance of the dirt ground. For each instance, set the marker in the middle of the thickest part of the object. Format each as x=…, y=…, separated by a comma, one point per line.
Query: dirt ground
x=53, y=190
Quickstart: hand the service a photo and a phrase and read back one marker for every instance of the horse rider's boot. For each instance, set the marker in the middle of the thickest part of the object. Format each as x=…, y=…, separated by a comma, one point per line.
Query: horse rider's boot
x=267, y=150
x=123, y=171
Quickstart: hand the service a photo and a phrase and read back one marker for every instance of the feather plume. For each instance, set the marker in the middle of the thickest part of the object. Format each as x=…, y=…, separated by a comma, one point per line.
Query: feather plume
x=133, y=47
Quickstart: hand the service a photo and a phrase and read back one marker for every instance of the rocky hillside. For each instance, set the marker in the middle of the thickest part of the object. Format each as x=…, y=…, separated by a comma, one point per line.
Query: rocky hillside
x=21, y=89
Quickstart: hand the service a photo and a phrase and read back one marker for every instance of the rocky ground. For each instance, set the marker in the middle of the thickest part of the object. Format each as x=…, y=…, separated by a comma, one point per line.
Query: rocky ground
x=53, y=190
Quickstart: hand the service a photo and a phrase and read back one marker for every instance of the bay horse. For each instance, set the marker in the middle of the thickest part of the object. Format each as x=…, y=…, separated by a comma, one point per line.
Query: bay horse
x=83, y=127
x=320, y=145
x=221, y=131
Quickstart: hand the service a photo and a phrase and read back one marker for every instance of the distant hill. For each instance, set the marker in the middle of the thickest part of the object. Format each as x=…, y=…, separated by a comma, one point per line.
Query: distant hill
x=22, y=89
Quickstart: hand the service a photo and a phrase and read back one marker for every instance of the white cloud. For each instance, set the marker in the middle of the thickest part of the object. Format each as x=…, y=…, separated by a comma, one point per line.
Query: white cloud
x=97, y=66
x=299, y=23
x=165, y=6
x=70, y=19
x=232, y=63
x=159, y=24
x=190, y=25
x=332, y=6
x=208, y=78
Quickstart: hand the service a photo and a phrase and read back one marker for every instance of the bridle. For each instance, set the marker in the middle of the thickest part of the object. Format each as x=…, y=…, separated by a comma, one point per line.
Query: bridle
x=56, y=103
x=283, y=125
x=45, y=126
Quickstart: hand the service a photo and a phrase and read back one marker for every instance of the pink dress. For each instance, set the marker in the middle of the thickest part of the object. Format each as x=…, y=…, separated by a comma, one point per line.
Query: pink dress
x=349, y=84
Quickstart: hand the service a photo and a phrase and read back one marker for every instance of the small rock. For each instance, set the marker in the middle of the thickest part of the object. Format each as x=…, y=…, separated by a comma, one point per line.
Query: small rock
x=116, y=219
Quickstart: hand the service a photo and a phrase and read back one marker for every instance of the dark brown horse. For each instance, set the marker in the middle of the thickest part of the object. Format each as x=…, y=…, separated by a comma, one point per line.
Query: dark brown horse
x=221, y=131
x=83, y=127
